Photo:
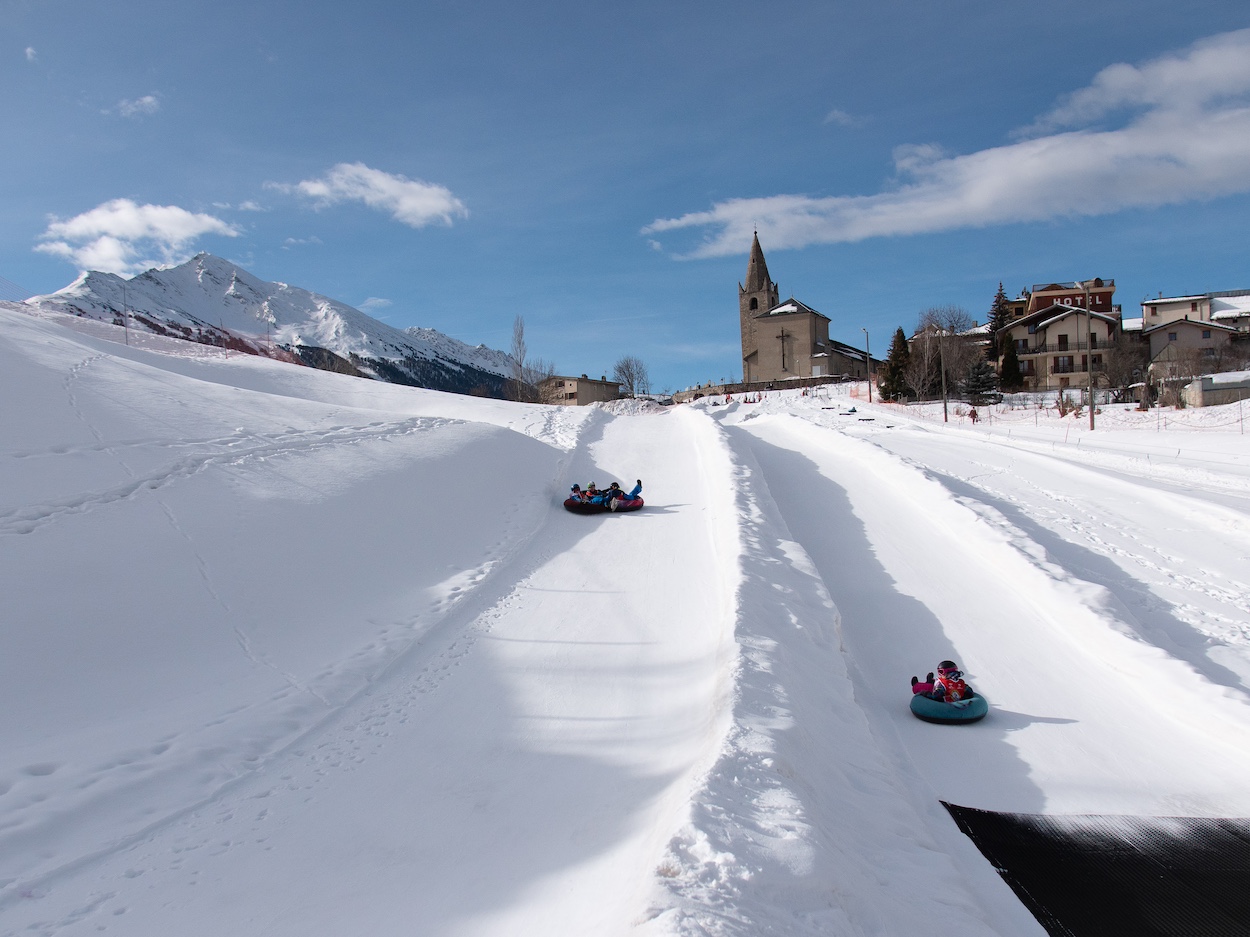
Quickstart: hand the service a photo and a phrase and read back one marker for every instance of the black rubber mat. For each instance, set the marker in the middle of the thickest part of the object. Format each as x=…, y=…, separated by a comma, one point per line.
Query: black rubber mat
x=1106, y=876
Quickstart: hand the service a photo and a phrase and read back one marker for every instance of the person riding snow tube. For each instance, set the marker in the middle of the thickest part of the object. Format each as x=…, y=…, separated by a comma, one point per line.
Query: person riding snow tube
x=946, y=698
x=593, y=500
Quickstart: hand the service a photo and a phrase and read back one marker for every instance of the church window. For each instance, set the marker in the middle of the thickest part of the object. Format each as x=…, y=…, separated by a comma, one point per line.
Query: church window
x=755, y=303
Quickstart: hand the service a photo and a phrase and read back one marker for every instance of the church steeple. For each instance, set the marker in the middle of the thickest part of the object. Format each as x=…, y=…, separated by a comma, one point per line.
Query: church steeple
x=757, y=269
x=755, y=298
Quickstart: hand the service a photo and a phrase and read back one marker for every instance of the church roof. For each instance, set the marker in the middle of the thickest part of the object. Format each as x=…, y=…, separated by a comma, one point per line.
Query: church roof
x=789, y=308
x=757, y=269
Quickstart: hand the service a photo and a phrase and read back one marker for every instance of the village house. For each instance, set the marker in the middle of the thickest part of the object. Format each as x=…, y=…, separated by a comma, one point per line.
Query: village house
x=1186, y=347
x=1231, y=308
x=578, y=391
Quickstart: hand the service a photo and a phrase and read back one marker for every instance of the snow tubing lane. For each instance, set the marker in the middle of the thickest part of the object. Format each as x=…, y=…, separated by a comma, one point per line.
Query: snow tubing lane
x=581, y=507
x=961, y=711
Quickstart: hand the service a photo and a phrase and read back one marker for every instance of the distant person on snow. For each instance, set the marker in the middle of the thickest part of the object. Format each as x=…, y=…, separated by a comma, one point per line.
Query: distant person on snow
x=947, y=687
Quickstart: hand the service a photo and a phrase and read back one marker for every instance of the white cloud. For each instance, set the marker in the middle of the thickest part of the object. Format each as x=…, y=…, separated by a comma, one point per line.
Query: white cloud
x=250, y=205
x=121, y=236
x=140, y=107
x=1186, y=137
x=411, y=201
x=840, y=117
x=374, y=303
x=31, y=54
x=298, y=242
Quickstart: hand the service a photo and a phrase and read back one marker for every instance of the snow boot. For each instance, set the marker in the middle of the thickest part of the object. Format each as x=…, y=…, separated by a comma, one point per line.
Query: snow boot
x=914, y=681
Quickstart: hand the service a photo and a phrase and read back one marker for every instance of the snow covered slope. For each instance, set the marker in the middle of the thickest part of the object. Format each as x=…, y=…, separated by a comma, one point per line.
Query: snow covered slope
x=286, y=652
x=209, y=299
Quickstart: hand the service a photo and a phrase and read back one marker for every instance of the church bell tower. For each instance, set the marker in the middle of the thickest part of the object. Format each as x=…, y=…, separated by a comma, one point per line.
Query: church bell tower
x=758, y=295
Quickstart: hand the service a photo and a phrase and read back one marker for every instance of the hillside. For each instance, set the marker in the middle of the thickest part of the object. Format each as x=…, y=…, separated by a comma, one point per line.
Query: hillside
x=286, y=652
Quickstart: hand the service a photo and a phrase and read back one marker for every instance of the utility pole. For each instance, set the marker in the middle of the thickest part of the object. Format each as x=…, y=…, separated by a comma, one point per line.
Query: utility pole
x=125, y=313
x=942, y=366
x=1089, y=354
x=868, y=359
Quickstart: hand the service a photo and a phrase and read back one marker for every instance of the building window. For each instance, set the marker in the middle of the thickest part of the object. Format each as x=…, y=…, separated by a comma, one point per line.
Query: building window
x=1208, y=352
x=1022, y=345
x=1171, y=336
x=1206, y=333
x=1064, y=365
x=755, y=303
x=1154, y=311
x=1193, y=307
x=1063, y=342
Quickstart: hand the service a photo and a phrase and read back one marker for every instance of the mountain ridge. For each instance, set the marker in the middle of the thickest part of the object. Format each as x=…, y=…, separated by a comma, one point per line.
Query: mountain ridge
x=210, y=300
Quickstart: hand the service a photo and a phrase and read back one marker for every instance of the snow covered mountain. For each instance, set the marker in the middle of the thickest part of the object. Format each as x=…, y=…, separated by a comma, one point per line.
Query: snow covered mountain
x=210, y=300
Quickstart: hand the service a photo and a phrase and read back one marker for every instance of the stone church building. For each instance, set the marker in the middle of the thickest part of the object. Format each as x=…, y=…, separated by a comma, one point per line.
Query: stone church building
x=785, y=341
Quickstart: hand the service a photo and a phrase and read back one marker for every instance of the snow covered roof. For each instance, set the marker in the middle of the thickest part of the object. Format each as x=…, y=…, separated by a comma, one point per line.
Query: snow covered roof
x=1231, y=377
x=789, y=308
x=1063, y=310
x=1197, y=323
x=1131, y=325
x=1230, y=306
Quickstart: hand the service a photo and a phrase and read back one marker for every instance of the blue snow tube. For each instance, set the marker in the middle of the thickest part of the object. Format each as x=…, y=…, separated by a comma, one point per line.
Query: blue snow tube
x=964, y=710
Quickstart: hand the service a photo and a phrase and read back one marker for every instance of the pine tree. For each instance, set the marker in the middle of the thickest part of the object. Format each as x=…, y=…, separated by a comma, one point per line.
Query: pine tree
x=980, y=382
x=1009, y=376
x=1000, y=313
x=890, y=379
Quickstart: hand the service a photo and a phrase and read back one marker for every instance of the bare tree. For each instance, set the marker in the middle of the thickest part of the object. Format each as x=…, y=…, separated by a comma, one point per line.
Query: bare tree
x=516, y=385
x=1124, y=364
x=631, y=373
x=538, y=383
x=921, y=371
x=957, y=347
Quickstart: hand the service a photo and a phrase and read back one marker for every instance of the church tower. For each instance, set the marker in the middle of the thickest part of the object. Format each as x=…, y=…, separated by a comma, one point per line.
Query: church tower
x=757, y=296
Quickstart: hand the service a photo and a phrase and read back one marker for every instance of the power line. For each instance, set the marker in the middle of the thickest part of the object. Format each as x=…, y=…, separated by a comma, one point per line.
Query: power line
x=11, y=291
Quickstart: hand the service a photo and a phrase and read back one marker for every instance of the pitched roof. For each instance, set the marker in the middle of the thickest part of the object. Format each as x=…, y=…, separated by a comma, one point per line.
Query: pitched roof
x=789, y=308
x=1197, y=323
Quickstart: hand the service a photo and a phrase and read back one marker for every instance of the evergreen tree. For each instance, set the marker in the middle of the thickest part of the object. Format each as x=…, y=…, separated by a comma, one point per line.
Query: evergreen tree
x=1000, y=313
x=981, y=381
x=890, y=376
x=1009, y=376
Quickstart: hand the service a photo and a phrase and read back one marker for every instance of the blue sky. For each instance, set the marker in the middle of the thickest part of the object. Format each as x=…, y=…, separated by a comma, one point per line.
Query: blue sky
x=598, y=168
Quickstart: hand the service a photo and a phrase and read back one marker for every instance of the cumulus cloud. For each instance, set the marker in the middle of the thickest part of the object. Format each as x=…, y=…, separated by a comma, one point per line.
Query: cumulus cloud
x=1183, y=135
x=411, y=201
x=121, y=236
x=140, y=107
x=31, y=54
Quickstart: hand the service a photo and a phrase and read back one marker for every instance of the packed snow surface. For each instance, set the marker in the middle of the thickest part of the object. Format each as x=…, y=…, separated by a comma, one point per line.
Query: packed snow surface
x=287, y=652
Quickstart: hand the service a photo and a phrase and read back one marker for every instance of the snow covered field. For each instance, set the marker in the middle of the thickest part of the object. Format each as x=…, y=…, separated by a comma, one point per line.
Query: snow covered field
x=285, y=652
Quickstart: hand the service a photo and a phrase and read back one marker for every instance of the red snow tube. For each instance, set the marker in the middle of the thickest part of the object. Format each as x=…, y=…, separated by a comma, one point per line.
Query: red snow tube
x=578, y=506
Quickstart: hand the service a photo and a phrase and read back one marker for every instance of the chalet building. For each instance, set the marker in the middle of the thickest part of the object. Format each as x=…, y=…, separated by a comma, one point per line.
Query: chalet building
x=578, y=391
x=790, y=340
x=1185, y=347
x=1058, y=345
x=1231, y=308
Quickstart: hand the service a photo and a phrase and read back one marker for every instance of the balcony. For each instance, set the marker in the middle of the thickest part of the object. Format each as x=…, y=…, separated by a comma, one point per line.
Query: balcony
x=1063, y=349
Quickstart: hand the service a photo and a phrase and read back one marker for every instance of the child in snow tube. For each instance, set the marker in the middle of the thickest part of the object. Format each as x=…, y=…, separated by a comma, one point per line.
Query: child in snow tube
x=946, y=698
